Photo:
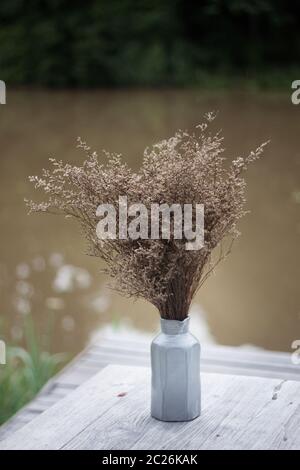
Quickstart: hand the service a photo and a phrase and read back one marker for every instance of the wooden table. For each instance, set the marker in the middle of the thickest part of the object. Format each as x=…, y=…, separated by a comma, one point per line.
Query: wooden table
x=111, y=411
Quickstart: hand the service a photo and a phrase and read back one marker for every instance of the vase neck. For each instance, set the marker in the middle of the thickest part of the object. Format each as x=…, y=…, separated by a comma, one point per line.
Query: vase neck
x=174, y=327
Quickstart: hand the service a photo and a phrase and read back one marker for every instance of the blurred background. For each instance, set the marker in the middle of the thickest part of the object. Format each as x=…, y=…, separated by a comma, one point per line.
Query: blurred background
x=123, y=74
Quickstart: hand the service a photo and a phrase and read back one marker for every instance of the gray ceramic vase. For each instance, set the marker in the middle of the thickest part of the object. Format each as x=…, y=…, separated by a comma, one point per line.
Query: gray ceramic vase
x=175, y=364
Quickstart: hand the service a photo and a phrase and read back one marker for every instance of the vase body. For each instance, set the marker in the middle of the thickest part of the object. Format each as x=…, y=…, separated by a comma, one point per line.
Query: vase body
x=175, y=366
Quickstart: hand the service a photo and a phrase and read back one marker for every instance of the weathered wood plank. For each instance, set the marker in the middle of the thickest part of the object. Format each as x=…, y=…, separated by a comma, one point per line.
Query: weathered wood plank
x=210, y=351
x=233, y=360
x=238, y=413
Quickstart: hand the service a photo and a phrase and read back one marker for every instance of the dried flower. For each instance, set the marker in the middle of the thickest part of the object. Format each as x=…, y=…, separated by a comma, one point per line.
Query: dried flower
x=187, y=168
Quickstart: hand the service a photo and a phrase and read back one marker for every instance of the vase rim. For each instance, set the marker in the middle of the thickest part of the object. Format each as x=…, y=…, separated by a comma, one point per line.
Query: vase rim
x=174, y=327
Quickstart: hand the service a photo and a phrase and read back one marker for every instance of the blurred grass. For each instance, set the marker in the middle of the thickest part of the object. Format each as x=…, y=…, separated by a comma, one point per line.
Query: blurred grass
x=25, y=372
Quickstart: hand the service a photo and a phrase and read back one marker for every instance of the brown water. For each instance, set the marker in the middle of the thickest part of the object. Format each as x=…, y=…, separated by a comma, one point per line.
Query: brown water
x=254, y=297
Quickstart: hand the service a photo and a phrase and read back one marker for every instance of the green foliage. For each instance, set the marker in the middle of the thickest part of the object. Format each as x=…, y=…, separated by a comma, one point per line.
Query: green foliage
x=25, y=373
x=147, y=42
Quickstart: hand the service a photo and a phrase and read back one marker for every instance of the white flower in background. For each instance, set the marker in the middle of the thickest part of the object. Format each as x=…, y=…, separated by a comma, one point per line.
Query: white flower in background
x=23, y=271
x=24, y=288
x=23, y=306
x=70, y=277
x=100, y=303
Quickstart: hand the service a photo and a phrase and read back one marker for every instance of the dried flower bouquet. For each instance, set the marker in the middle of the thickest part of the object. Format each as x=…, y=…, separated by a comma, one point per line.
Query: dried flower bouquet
x=186, y=168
